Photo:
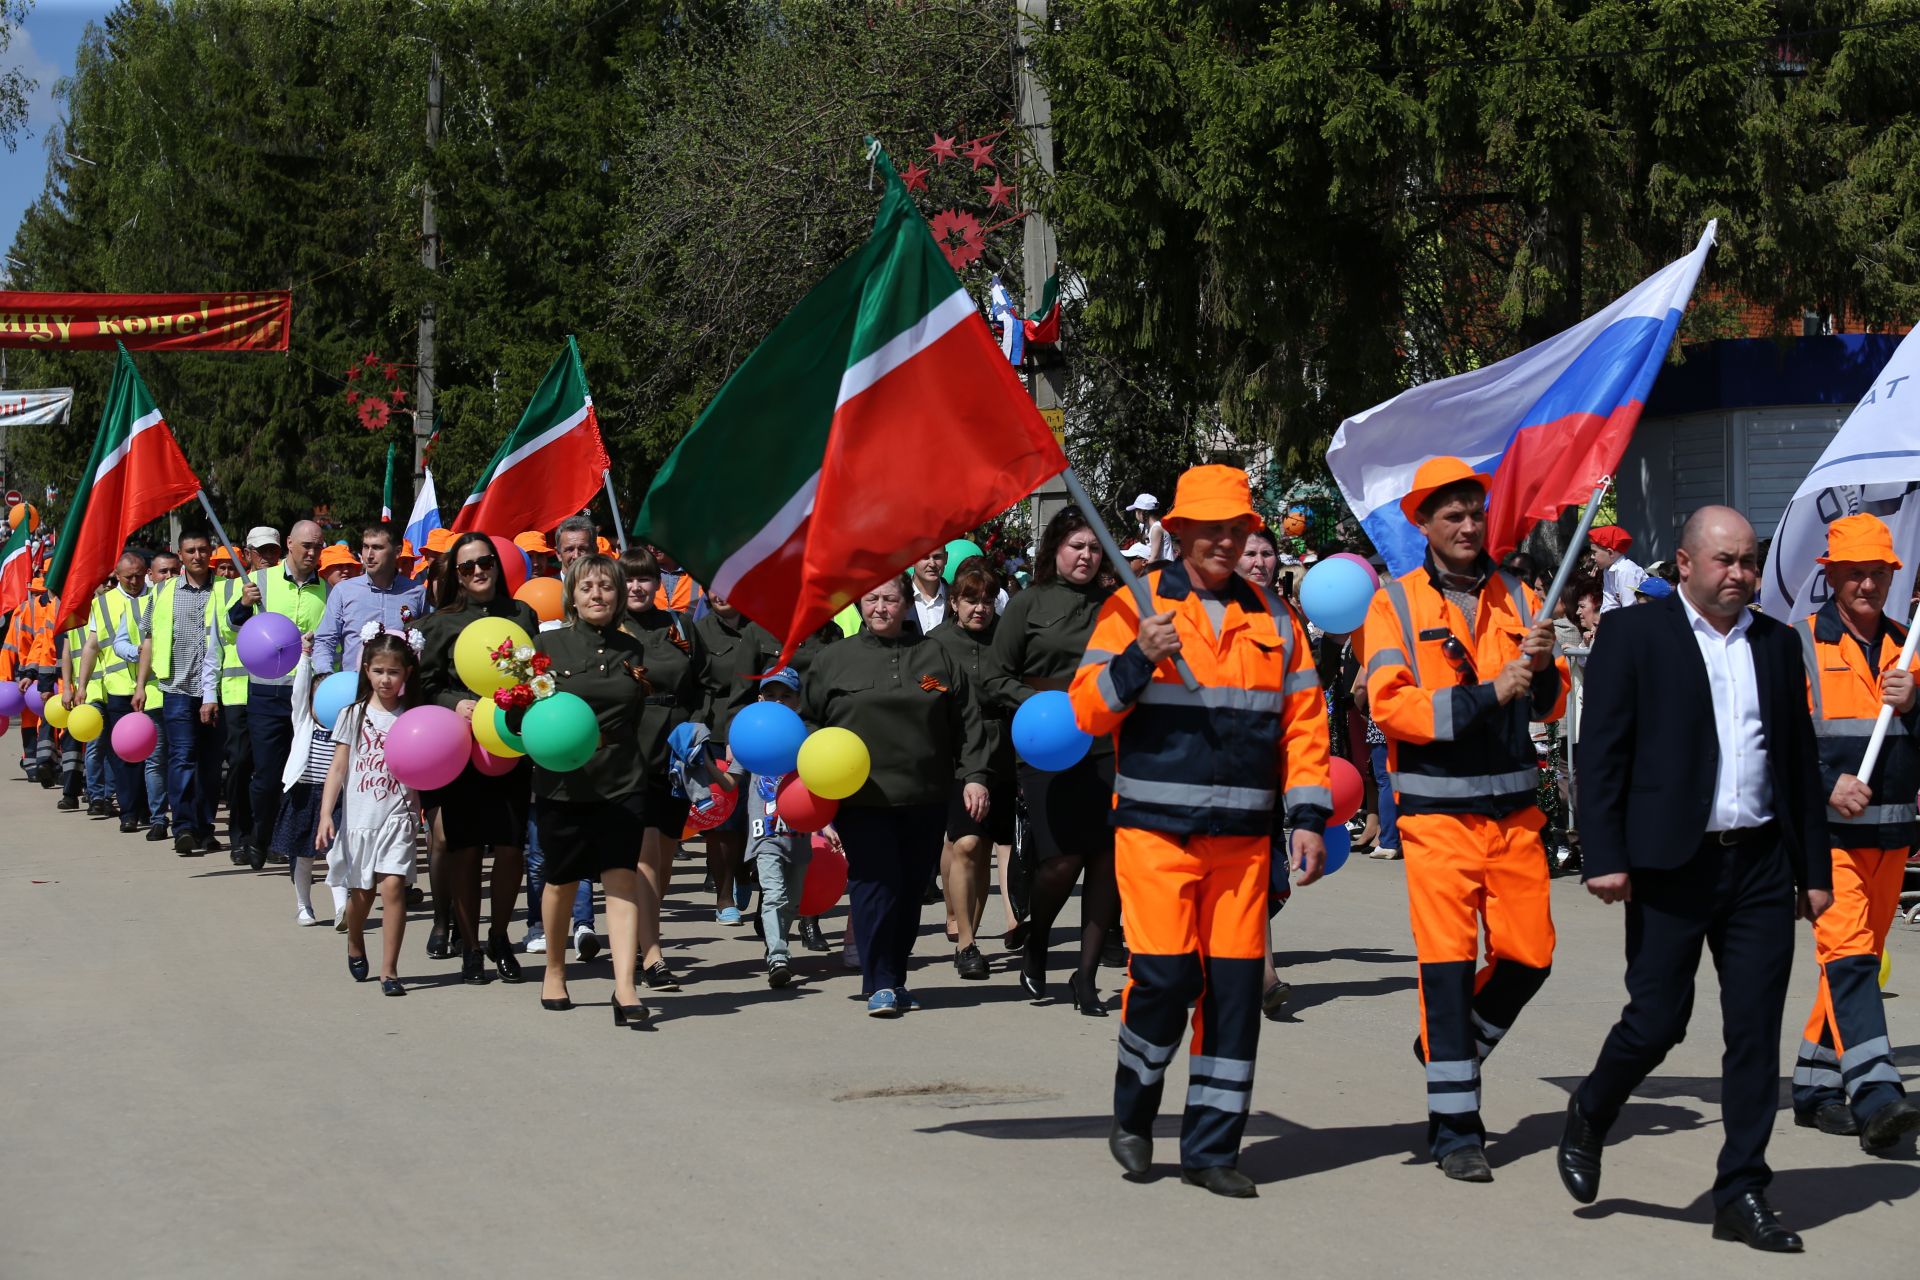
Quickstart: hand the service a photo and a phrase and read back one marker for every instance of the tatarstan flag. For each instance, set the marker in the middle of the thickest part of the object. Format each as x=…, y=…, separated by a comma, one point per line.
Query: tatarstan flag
x=136, y=473
x=16, y=567
x=878, y=419
x=549, y=466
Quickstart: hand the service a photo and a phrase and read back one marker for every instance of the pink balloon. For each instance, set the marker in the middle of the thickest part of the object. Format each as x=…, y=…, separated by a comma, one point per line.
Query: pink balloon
x=490, y=764
x=427, y=747
x=134, y=737
x=1362, y=562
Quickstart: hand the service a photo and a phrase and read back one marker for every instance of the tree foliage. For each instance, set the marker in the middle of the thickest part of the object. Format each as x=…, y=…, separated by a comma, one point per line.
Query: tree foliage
x=15, y=84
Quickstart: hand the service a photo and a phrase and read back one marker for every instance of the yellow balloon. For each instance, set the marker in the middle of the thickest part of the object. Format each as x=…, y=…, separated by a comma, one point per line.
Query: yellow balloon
x=85, y=722
x=473, y=652
x=834, y=763
x=486, y=731
x=1886, y=968
x=56, y=713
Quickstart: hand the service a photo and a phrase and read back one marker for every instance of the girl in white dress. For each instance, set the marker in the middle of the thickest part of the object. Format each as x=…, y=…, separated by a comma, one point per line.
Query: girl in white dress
x=376, y=834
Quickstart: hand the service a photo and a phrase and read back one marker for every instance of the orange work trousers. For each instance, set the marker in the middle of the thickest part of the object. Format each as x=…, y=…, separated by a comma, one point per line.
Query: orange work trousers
x=1846, y=1053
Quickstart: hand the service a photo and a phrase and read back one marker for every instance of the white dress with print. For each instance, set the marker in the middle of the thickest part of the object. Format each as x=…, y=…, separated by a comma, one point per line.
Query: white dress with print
x=379, y=815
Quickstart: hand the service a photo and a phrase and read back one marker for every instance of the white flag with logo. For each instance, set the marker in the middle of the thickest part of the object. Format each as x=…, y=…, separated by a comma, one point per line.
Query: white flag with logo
x=1871, y=466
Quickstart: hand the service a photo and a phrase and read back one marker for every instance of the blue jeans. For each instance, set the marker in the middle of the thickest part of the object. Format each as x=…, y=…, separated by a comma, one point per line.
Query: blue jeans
x=194, y=752
x=129, y=780
x=537, y=880
x=156, y=765
x=783, y=882
x=1389, y=811
x=99, y=787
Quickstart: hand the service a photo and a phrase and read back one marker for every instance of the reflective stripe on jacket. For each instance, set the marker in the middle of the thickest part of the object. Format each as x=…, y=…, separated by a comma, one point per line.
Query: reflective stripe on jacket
x=1451, y=746
x=1246, y=749
x=1844, y=692
x=112, y=613
x=223, y=638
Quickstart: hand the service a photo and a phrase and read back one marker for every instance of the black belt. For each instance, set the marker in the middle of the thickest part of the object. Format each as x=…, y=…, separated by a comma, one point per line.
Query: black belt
x=661, y=699
x=1741, y=835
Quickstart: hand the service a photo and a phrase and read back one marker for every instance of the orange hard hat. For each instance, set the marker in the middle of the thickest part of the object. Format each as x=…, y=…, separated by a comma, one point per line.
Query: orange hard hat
x=440, y=540
x=1214, y=492
x=1860, y=539
x=1434, y=475
x=534, y=541
x=221, y=556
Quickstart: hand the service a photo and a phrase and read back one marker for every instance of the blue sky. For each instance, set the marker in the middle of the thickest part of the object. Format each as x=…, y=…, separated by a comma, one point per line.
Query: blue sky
x=44, y=48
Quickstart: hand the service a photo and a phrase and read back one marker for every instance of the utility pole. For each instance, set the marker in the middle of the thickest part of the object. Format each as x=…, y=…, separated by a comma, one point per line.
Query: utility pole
x=429, y=259
x=1041, y=252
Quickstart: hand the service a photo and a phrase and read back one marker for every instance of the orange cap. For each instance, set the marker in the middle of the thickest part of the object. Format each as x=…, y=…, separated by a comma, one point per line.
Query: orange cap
x=337, y=557
x=1214, y=492
x=440, y=540
x=1860, y=539
x=535, y=541
x=1434, y=475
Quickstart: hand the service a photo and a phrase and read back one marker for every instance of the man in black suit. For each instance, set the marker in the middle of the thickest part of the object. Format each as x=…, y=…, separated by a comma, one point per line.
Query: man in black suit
x=1701, y=808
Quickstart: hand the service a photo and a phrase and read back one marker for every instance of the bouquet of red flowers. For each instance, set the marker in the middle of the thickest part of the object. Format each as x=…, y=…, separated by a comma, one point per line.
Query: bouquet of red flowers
x=526, y=673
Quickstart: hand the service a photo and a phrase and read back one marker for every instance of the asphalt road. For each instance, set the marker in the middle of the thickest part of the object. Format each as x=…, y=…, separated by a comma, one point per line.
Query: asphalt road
x=193, y=1086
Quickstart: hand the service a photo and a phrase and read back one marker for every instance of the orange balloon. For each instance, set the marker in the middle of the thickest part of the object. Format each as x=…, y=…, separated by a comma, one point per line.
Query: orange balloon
x=26, y=511
x=542, y=595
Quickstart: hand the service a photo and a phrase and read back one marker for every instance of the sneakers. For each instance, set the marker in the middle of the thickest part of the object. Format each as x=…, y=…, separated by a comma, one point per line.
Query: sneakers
x=779, y=972
x=586, y=945
x=1386, y=853
x=970, y=964
x=340, y=920
x=883, y=1004
x=304, y=916
x=729, y=915
x=536, y=943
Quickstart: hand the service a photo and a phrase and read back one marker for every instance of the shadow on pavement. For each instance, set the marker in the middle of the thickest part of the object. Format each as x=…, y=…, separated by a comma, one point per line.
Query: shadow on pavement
x=1360, y=955
x=1309, y=995
x=1805, y=1198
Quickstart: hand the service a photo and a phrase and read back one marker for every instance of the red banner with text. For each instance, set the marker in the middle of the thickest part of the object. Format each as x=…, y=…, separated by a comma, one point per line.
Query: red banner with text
x=146, y=321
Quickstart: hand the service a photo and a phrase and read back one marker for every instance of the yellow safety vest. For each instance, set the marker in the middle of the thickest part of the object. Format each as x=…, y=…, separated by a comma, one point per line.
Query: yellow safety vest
x=157, y=621
x=304, y=605
x=110, y=613
x=222, y=633
x=96, y=686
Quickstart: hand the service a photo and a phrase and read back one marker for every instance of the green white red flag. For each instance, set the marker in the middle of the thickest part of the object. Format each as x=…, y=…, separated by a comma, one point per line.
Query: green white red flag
x=549, y=467
x=16, y=567
x=135, y=474
x=878, y=419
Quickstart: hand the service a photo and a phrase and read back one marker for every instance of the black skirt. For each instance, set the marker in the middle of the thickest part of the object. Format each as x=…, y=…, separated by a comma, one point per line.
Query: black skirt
x=584, y=839
x=476, y=810
x=997, y=829
x=661, y=810
x=1069, y=813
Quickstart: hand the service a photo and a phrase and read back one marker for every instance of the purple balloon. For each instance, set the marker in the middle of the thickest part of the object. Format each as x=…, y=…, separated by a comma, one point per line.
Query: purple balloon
x=269, y=645
x=36, y=701
x=134, y=738
x=1362, y=562
x=428, y=746
x=12, y=701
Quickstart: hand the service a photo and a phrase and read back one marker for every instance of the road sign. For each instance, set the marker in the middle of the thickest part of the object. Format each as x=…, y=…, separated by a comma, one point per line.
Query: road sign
x=13, y=498
x=1057, y=419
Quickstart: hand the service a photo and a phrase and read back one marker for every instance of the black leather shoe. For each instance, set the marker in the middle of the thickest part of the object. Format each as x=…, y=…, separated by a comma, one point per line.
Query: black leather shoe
x=1468, y=1164
x=473, y=969
x=660, y=978
x=1751, y=1221
x=810, y=936
x=1885, y=1127
x=96, y=808
x=1274, y=998
x=1133, y=1151
x=437, y=944
x=969, y=963
x=185, y=846
x=128, y=826
x=67, y=803
x=256, y=857
x=1086, y=1001
x=239, y=856
x=1579, y=1157
x=1222, y=1180
x=157, y=832
x=500, y=951
x=1832, y=1116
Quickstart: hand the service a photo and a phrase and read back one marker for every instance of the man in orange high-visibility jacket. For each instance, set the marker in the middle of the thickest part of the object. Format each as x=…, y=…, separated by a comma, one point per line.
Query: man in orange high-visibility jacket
x=34, y=648
x=677, y=592
x=1204, y=780
x=1846, y=1081
x=1458, y=661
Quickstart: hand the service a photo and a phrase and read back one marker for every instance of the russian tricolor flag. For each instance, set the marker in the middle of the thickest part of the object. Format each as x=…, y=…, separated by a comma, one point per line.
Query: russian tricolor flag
x=1547, y=423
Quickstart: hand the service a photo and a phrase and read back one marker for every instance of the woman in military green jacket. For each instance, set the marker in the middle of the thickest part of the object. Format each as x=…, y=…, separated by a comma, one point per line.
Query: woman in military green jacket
x=675, y=660
x=473, y=811
x=591, y=819
x=910, y=701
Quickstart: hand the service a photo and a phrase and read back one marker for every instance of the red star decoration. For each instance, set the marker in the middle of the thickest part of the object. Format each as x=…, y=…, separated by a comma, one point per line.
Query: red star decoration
x=980, y=151
x=914, y=177
x=942, y=149
x=997, y=192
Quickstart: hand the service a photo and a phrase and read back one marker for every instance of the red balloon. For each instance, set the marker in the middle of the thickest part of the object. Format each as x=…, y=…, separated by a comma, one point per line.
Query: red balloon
x=720, y=806
x=826, y=879
x=1348, y=790
x=513, y=563
x=492, y=765
x=799, y=808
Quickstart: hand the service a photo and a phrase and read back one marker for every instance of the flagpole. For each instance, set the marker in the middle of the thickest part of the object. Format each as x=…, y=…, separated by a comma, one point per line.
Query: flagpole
x=1574, y=546
x=218, y=528
x=1885, y=719
x=613, y=505
x=1128, y=578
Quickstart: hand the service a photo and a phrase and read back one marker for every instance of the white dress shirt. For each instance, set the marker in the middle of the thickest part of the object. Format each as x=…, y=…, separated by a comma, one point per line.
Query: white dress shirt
x=930, y=612
x=1622, y=578
x=1742, y=789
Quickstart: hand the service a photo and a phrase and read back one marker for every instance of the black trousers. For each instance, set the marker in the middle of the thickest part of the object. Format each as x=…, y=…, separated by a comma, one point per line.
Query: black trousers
x=1738, y=900
x=237, y=789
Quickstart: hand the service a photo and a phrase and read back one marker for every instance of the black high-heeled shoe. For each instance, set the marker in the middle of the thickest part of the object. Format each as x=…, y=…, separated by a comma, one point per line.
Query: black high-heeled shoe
x=437, y=944
x=357, y=966
x=473, y=969
x=624, y=1013
x=551, y=1005
x=1033, y=976
x=500, y=951
x=1085, y=999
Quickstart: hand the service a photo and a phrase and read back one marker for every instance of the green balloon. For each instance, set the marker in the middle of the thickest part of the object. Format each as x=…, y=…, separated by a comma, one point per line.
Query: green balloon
x=507, y=735
x=957, y=553
x=561, y=733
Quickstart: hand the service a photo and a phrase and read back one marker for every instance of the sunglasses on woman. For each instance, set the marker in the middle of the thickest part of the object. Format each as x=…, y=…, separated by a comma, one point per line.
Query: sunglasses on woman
x=467, y=568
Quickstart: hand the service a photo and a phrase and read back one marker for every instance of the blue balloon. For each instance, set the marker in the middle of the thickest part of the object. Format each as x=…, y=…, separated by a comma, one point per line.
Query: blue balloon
x=335, y=694
x=1339, y=845
x=1335, y=595
x=766, y=738
x=1046, y=734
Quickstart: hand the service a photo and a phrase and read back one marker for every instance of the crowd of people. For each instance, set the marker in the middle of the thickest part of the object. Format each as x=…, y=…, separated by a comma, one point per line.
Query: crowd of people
x=1215, y=705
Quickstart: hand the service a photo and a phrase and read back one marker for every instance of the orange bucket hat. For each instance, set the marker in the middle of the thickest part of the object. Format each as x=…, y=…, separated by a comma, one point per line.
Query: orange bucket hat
x=1434, y=475
x=1214, y=492
x=338, y=557
x=534, y=541
x=1860, y=539
x=439, y=540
